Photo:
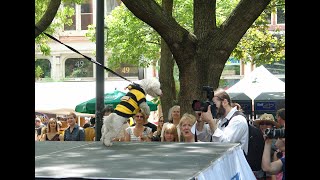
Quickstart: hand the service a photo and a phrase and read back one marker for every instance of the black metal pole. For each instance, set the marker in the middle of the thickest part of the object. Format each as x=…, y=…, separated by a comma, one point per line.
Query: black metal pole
x=99, y=69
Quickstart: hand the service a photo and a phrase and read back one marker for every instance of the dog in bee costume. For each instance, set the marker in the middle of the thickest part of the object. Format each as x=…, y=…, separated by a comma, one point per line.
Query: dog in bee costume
x=130, y=104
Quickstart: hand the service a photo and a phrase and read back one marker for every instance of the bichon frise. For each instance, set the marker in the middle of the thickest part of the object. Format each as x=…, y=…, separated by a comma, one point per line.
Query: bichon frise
x=130, y=104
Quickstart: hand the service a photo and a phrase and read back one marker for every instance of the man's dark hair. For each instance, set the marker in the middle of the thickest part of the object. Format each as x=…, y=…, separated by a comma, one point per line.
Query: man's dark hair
x=281, y=113
x=86, y=125
x=107, y=109
x=221, y=94
x=93, y=121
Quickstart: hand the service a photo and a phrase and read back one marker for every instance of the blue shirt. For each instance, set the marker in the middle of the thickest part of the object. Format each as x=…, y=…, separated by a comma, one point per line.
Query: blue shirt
x=77, y=134
x=283, y=160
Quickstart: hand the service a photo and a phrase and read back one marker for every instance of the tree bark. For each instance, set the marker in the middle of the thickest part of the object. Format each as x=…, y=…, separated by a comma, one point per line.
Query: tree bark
x=48, y=17
x=167, y=81
x=166, y=70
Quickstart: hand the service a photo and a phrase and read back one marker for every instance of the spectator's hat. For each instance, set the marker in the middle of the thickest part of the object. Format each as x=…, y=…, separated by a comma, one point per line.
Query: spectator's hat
x=266, y=118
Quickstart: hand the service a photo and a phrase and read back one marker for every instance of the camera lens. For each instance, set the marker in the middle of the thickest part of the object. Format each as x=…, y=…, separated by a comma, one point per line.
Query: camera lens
x=279, y=133
x=196, y=105
x=275, y=133
x=279, y=154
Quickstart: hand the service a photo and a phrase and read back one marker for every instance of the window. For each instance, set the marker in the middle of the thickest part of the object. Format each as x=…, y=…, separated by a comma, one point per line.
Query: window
x=232, y=67
x=125, y=70
x=45, y=66
x=111, y=4
x=268, y=16
x=86, y=14
x=83, y=15
x=78, y=67
x=227, y=83
x=276, y=68
x=231, y=73
x=280, y=16
x=74, y=22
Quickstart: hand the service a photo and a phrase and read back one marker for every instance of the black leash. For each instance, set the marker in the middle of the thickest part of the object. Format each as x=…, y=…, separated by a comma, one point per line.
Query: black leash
x=90, y=59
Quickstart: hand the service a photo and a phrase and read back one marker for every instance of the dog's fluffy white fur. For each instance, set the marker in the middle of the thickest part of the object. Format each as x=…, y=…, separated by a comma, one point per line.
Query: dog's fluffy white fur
x=112, y=124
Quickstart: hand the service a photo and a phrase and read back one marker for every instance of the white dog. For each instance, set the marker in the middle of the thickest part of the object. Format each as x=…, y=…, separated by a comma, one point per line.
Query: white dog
x=130, y=104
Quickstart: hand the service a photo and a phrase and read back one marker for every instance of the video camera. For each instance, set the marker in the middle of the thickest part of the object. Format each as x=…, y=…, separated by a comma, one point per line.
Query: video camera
x=198, y=105
x=272, y=133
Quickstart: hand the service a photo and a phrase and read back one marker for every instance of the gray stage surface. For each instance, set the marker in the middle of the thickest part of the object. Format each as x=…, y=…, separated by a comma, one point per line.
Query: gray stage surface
x=124, y=160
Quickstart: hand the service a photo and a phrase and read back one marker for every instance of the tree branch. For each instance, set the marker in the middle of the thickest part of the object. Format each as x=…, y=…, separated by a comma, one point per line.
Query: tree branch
x=153, y=14
x=240, y=20
x=48, y=17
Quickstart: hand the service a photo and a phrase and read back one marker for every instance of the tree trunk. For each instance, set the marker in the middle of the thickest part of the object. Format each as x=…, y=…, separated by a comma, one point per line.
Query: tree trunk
x=166, y=70
x=166, y=79
x=190, y=87
x=201, y=56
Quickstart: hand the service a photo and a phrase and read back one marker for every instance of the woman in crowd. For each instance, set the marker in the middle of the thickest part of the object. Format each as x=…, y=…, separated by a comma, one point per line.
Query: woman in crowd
x=52, y=131
x=186, y=122
x=138, y=133
x=170, y=133
x=157, y=133
x=174, y=118
x=266, y=121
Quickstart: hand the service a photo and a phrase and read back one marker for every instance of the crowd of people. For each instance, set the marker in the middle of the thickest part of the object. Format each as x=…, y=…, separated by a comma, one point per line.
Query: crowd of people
x=197, y=127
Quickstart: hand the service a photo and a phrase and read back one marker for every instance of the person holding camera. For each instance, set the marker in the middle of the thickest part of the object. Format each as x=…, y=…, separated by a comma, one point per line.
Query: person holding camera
x=280, y=151
x=201, y=130
x=223, y=130
x=266, y=121
x=278, y=165
x=274, y=167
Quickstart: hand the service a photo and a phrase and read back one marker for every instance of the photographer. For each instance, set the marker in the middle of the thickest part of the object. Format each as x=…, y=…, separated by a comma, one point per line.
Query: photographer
x=223, y=130
x=266, y=121
x=275, y=166
x=201, y=130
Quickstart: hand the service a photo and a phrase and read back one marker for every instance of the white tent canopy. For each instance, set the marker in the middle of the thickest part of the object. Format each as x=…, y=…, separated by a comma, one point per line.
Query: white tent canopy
x=258, y=81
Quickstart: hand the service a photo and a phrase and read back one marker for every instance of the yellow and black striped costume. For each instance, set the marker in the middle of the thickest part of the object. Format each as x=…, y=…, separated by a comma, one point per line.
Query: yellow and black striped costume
x=129, y=104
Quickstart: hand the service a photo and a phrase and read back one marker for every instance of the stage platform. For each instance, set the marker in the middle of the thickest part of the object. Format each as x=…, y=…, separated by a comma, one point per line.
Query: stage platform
x=125, y=160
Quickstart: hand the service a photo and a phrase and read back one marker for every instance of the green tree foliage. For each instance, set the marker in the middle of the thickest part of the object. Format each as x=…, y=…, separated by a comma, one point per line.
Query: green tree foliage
x=38, y=72
x=45, y=66
x=130, y=40
x=259, y=45
x=61, y=17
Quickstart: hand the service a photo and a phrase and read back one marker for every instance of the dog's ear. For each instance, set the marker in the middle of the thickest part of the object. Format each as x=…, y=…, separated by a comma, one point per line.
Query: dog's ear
x=128, y=87
x=145, y=108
